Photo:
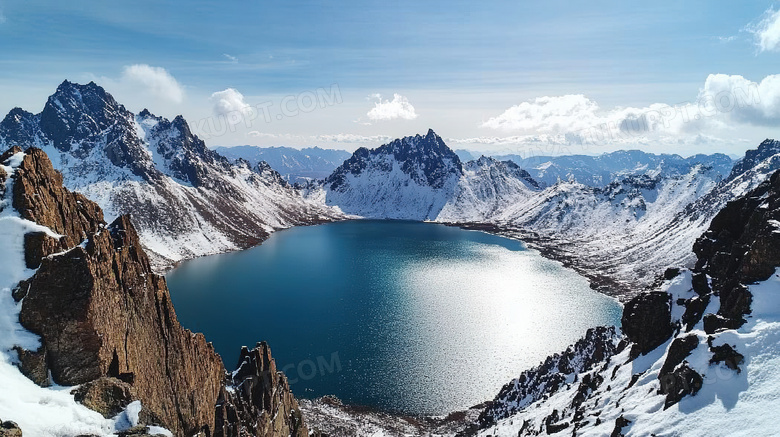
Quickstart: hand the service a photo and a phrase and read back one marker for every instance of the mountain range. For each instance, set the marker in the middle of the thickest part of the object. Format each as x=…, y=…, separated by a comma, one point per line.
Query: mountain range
x=617, y=218
x=597, y=171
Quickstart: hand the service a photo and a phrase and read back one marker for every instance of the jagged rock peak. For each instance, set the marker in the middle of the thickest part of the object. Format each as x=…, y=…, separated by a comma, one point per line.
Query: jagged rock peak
x=429, y=144
x=71, y=100
x=767, y=149
x=254, y=387
x=145, y=113
x=426, y=159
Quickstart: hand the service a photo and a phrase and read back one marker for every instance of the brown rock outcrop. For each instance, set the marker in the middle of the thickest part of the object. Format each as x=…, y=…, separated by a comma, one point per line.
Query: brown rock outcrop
x=9, y=429
x=101, y=312
x=647, y=322
x=108, y=396
x=39, y=196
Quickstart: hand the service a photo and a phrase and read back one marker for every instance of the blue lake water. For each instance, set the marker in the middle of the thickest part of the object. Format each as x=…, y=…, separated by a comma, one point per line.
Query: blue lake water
x=412, y=317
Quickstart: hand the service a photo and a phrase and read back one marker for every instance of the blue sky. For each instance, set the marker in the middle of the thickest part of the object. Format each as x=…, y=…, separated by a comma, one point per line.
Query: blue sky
x=462, y=66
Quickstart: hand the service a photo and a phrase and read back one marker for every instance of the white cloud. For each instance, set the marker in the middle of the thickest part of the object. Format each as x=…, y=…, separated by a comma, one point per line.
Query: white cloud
x=397, y=108
x=732, y=99
x=546, y=145
x=724, y=105
x=575, y=116
x=154, y=80
x=230, y=104
x=2, y=17
x=548, y=115
x=724, y=102
x=767, y=31
x=231, y=58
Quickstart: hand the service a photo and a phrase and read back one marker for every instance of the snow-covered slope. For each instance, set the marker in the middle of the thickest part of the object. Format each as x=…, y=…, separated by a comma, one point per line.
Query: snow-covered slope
x=620, y=233
x=627, y=230
x=185, y=200
x=700, y=356
x=293, y=164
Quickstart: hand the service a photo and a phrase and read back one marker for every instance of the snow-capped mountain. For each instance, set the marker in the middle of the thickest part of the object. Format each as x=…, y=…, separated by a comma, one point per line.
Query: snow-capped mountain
x=597, y=171
x=296, y=166
x=409, y=178
x=420, y=178
x=645, y=218
x=185, y=199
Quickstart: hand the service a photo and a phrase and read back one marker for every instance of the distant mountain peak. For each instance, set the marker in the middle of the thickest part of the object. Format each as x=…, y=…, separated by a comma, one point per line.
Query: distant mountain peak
x=76, y=112
x=145, y=113
x=427, y=160
x=767, y=149
x=86, y=96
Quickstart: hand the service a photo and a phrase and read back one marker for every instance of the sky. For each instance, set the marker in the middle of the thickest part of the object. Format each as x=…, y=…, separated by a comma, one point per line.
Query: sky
x=493, y=76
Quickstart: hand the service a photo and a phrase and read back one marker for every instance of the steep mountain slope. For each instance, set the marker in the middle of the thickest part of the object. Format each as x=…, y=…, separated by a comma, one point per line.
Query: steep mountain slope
x=597, y=171
x=665, y=236
x=295, y=166
x=700, y=353
x=80, y=305
x=184, y=199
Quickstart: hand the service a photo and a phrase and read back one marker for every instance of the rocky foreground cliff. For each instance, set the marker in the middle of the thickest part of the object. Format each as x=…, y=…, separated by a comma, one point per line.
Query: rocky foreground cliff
x=82, y=307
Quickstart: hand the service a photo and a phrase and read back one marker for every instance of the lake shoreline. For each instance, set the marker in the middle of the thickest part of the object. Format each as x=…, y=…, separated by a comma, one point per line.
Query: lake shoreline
x=556, y=250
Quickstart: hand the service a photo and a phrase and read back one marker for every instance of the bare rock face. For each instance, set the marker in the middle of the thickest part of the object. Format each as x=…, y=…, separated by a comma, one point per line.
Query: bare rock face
x=40, y=197
x=647, y=322
x=742, y=246
x=108, y=396
x=102, y=312
x=107, y=321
